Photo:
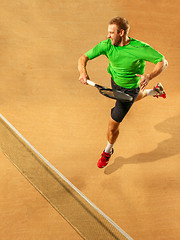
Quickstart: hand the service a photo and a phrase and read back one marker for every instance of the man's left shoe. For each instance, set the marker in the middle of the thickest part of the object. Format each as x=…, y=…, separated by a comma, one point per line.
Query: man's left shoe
x=160, y=91
x=103, y=161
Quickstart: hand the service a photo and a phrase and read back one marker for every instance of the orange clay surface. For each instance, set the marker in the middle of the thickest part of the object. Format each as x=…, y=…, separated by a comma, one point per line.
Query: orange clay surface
x=66, y=122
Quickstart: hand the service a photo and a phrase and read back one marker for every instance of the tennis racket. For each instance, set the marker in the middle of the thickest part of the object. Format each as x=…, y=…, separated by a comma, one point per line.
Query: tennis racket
x=111, y=93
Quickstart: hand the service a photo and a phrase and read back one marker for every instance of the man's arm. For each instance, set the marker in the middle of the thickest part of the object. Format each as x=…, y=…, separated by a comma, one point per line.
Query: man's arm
x=145, y=78
x=82, y=62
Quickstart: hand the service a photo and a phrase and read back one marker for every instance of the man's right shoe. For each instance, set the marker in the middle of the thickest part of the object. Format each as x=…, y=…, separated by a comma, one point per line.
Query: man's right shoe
x=103, y=161
x=160, y=91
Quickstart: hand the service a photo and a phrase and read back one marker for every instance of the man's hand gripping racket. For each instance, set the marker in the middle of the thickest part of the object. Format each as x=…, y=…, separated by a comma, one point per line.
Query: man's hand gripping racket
x=111, y=93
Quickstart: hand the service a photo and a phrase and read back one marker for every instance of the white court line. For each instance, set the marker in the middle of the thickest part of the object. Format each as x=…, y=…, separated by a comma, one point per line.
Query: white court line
x=66, y=180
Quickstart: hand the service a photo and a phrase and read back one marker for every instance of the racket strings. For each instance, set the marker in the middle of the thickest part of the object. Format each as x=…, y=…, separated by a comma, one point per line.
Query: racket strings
x=108, y=92
x=116, y=94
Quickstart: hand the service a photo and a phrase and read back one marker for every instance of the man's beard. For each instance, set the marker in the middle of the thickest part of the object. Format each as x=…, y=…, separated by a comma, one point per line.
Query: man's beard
x=117, y=43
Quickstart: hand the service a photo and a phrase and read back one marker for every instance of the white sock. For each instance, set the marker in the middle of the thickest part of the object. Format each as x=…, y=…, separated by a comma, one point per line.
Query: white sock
x=108, y=147
x=150, y=92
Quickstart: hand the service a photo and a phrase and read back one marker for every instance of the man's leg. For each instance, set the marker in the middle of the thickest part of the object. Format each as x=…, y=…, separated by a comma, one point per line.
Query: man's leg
x=117, y=115
x=113, y=131
x=141, y=95
x=145, y=93
x=157, y=91
x=112, y=134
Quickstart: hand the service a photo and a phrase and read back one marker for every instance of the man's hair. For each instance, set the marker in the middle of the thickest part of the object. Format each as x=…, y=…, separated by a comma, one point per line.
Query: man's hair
x=121, y=23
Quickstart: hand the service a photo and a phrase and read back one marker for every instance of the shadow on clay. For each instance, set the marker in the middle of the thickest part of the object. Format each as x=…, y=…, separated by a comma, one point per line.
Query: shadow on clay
x=166, y=148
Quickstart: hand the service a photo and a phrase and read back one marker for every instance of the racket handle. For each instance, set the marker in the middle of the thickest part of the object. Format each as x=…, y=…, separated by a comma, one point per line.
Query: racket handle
x=91, y=83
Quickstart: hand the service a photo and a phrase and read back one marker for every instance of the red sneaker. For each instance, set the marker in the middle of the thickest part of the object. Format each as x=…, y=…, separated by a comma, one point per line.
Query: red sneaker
x=103, y=161
x=160, y=91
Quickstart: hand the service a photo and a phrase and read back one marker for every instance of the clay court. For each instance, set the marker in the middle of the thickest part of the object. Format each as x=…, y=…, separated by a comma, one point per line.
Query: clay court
x=66, y=121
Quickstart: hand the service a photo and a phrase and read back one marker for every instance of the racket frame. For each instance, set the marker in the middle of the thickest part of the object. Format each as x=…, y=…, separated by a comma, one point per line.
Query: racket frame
x=101, y=88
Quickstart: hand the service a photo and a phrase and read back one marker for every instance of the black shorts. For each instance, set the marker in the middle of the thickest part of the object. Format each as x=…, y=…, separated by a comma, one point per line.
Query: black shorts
x=121, y=108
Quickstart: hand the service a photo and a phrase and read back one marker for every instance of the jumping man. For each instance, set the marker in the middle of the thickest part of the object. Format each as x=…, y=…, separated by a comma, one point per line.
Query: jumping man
x=127, y=57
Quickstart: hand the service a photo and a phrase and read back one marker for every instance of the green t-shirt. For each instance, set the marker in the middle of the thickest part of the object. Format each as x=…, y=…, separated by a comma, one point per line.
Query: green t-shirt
x=126, y=61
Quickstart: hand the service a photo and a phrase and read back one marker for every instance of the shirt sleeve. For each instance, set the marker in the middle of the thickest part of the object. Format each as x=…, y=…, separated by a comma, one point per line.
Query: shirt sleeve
x=99, y=49
x=151, y=55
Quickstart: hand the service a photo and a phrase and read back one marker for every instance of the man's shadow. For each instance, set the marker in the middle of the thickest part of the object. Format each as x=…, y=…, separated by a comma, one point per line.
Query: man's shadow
x=166, y=148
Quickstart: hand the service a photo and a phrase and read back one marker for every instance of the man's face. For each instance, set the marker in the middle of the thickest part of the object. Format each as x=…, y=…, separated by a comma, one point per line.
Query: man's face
x=114, y=34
